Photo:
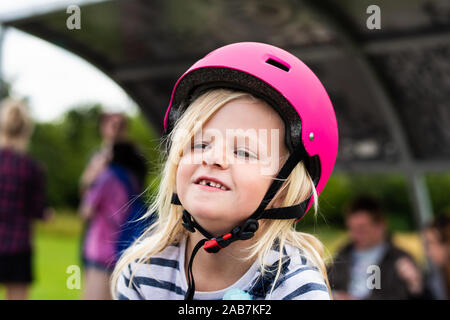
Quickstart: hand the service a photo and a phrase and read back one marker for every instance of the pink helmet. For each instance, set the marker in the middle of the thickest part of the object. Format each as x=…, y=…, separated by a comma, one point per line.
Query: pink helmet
x=282, y=80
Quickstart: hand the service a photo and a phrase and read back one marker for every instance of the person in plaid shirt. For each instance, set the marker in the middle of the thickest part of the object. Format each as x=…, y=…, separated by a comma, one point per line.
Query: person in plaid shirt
x=22, y=199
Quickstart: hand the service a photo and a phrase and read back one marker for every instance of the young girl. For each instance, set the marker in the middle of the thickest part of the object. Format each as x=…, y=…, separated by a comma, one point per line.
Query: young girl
x=251, y=142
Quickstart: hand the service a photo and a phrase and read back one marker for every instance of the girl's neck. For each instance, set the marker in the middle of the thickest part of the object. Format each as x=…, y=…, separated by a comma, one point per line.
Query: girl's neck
x=216, y=271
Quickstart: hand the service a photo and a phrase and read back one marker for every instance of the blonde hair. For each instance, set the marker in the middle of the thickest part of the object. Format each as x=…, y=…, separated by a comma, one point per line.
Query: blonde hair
x=16, y=125
x=168, y=229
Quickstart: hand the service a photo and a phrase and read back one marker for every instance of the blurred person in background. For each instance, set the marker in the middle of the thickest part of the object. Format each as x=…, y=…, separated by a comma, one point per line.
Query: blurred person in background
x=113, y=128
x=105, y=206
x=437, y=247
x=22, y=199
x=436, y=279
x=371, y=245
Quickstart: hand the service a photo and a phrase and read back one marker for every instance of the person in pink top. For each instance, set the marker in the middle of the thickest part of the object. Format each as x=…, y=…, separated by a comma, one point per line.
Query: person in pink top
x=105, y=206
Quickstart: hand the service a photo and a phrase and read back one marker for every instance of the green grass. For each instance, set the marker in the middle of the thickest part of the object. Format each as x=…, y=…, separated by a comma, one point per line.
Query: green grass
x=57, y=246
x=54, y=255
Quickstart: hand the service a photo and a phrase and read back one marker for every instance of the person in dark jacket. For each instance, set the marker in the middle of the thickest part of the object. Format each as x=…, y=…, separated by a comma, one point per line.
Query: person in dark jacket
x=370, y=266
x=22, y=199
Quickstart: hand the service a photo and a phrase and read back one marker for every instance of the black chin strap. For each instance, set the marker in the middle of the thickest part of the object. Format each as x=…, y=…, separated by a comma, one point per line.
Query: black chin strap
x=247, y=230
x=191, y=283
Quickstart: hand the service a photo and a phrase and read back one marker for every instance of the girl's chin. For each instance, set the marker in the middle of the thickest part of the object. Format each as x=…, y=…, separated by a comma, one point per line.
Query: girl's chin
x=211, y=217
x=216, y=229
x=207, y=214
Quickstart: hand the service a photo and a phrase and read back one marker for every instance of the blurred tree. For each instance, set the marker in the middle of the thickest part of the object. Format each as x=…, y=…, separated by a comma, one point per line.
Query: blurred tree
x=64, y=147
x=439, y=184
x=391, y=189
x=148, y=141
x=5, y=89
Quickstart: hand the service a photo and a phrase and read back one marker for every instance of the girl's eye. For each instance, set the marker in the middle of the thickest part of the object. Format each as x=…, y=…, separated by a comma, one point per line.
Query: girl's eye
x=199, y=146
x=244, y=153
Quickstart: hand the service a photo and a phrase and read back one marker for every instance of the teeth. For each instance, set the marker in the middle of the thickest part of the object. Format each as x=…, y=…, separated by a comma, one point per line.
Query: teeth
x=212, y=184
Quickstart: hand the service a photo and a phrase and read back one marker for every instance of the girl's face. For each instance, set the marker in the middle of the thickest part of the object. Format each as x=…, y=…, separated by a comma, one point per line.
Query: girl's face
x=242, y=148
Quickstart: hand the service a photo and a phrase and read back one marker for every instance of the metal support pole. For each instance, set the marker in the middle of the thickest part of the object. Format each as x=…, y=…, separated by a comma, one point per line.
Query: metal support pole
x=420, y=198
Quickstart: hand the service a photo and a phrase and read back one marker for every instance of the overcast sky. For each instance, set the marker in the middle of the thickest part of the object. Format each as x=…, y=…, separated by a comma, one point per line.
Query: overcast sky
x=53, y=79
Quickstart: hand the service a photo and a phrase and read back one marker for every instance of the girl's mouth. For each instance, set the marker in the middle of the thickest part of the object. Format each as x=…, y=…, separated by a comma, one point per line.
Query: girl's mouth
x=211, y=184
x=208, y=185
x=210, y=188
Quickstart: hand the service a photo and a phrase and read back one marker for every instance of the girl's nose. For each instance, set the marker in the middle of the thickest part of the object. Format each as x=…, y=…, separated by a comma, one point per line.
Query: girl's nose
x=215, y=156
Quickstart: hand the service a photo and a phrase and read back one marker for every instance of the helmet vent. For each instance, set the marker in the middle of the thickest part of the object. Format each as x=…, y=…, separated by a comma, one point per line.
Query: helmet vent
x=277, y=64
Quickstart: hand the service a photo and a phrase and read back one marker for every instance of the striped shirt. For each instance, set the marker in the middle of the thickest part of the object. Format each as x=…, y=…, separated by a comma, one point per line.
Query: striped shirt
x=164, y=278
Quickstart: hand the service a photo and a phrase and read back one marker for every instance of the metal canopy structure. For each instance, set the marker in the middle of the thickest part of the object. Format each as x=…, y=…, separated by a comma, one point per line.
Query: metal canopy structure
x=390, y=86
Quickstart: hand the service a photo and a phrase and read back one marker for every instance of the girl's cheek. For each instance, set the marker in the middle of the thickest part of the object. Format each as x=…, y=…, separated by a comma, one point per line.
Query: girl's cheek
x=252, y=179
x=183, y=176
x=268, y=168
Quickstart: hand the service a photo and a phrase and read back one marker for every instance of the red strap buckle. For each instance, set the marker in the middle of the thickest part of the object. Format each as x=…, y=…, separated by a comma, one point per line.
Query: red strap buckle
x=212, y=246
